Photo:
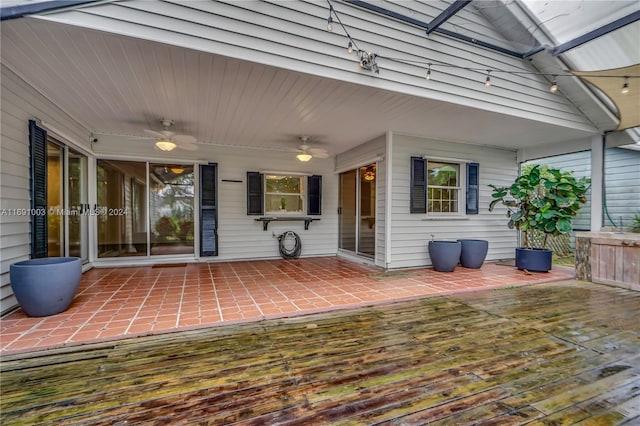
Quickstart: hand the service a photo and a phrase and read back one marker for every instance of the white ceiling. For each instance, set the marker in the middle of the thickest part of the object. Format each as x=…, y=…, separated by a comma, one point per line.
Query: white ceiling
x=118, y=85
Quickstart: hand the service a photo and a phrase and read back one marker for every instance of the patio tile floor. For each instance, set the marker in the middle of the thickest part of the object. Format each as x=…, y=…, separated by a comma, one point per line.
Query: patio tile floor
x=115, y=303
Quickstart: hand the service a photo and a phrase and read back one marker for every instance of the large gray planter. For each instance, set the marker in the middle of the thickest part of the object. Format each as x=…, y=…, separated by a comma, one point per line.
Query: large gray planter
x=534, y=260
x=444, y=255
x=45, y=286
x=474, y=252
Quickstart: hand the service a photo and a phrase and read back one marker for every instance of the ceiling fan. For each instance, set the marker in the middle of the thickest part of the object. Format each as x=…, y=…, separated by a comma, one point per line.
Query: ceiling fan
x=166, y=140
x=306, y=153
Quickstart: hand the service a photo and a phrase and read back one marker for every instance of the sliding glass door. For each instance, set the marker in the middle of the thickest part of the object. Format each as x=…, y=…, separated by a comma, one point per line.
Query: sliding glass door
x=171, y=194
x=67, y=198
x=55, y=199
x=358, y=211
x=145, y=208
x=77, y=224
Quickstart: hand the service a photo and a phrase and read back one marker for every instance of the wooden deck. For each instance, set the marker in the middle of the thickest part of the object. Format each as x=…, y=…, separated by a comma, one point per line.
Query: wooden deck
x=551, y=354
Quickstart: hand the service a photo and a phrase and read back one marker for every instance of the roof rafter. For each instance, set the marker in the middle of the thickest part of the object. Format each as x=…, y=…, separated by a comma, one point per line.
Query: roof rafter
x=14, y=12
x=598, y=32
x=444, y=16
x=425, y=25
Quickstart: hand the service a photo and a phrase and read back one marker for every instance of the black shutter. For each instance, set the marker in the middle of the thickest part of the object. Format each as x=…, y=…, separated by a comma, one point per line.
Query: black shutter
x=38, y=183
x=418, y=185
x=208, y=210
x=473, y=187
x=314, y=195
x=255, y=197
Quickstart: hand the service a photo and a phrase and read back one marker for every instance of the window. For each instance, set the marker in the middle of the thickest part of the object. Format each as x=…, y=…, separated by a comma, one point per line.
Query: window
x=278, y=194
x=444, y=187
x=284, y=194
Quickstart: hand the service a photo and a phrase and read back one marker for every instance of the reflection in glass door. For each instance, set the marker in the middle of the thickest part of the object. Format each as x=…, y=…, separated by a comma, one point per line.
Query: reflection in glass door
x=171, y=195
x=367, y=222
x=119, y=202
x=348, y=211
x=55, y=200
x=67, y=219
x=358, y=210
x=144, y=208
x=78, y=223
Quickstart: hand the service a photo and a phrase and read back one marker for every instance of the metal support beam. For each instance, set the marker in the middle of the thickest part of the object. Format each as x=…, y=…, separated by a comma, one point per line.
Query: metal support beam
x=480, y=43
x=453, y=8
x=387, y=12
x=425, y=25
x=598, y=32
x=14, y=12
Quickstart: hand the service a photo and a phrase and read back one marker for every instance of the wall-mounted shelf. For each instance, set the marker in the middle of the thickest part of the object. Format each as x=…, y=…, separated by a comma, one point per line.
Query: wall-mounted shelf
x=266, y=220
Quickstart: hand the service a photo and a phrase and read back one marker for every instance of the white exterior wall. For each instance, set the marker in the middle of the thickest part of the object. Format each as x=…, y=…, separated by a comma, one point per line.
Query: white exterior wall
x=239, y=235
x=371, y=152
x=579, y=163
x=621, y=186
x=292, y=35
x=410, y=232
x=20, y=103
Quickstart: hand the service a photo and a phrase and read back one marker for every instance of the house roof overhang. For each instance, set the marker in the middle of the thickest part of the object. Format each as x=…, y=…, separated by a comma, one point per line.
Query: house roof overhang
x=115, y=84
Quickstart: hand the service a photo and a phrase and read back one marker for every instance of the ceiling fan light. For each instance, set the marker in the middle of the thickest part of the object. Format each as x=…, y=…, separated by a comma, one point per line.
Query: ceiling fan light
x=303, y=156
x=165, y=145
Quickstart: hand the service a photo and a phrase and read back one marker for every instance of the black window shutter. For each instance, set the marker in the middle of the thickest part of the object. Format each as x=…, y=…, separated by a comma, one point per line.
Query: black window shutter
x=473, y=187
x=38, y=183
x=314, y=195
x=418, y=185
x=208, y=210
x=255, y=197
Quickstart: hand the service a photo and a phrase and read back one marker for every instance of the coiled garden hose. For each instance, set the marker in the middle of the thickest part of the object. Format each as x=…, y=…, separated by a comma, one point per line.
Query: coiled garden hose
x=286, y=240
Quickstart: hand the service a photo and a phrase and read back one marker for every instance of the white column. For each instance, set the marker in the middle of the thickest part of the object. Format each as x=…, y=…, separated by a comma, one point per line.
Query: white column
x=597, y=182
x=388, y=199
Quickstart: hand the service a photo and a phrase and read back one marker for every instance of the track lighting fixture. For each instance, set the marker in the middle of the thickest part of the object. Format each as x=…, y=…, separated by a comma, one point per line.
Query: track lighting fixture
x=625, y=86
x=368, y=61
x=554, y=85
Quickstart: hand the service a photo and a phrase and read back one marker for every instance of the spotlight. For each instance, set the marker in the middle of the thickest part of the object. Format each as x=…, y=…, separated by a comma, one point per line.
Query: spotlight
x=625, y=86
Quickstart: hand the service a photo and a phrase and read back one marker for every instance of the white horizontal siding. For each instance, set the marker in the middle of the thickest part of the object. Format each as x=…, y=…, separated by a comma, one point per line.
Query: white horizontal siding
x=411, y=232
x=579, y=163
x=292, y=35
x=20, y=102
x=622, y=186
x=358, y=156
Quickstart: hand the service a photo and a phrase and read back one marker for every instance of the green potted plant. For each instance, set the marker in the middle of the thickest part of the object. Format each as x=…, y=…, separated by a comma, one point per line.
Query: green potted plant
x=635, y=226
x=540, y=200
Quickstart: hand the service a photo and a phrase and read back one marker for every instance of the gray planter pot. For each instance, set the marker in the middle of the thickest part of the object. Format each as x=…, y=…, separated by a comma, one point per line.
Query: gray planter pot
x=444, y=255
x=474, y=252
x=534, y=260
x=45, y=286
